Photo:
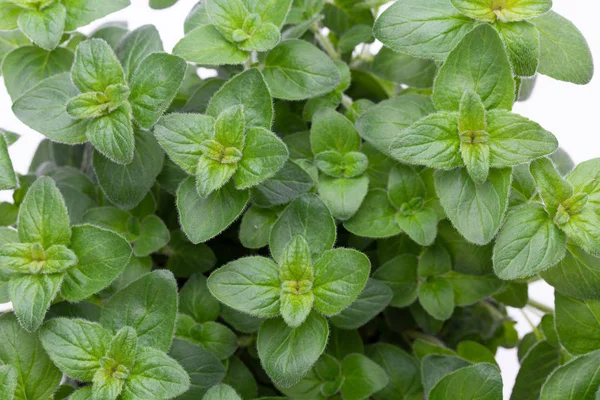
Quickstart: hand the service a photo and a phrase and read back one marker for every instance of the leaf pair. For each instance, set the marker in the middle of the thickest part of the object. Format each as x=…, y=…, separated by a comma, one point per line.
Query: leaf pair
x=49, y=256
x=536, y=39
x=295, y=286
x=534, y=236
x=231, y=29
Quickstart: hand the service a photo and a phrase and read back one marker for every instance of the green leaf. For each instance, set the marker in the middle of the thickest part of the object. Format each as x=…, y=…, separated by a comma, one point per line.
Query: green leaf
x=45, y=26
x=362, y=377
x=522, y=41
x=515, y=139
x=214, y=337
x=576, y=275
x=43, y=215
x=30, y=258
x=250, y=90
x=181, y=136
x=112, y=135
x=552, y=187
x=437, y=298
x=75, y=346
x=224, y=206
x=528, y=243
x=400, y=274
x=432, y=141
x=480, y=381
x=96, y=67
x=427, y=32
x=196, y=300
x=187, y=258
x=380, y=124
x=8, y=382
x=297, y=282
x=374, y=298
x=306, y=216
x=264, y=154
x=250, y=285
x=297, y=70
x=136, y=46
x=204, y=369
x=136, y=178
x=577, y=379
x=536, y=365
x=44, y=109
x=149, y=305
x=227, y=16
x=88, y=105
x=155, y=375
x=221, y=392
x=287, y=354
x=470, y=289
x=420, y=226
x=478, y=63
x=476, y=210
x=154, y=85
x=37, y=377
x=402, y=369
x=83, y=12
x=8, y=179
x=577, y=324
x=206, y=46
x=263, y=39
x=404, y=69
x=375, y=218
x=154, y=235
x=25, y=67
x=256, y=227
x=330, y=130
x=343, y=196
x=512, y=10
x=340, y=276
x=565, y=54
x=437, y=365
x=434, y=261
x=287, y=184
x=212, y=175
x=273, y=11
x=83, y=393
x=10, y=13
x=241, y=379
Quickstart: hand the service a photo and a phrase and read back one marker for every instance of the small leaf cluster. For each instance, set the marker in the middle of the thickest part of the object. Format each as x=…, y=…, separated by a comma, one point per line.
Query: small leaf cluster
x=319, y=220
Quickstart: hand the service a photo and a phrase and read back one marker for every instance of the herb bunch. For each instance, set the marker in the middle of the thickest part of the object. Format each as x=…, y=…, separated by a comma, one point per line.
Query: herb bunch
x=317, y=221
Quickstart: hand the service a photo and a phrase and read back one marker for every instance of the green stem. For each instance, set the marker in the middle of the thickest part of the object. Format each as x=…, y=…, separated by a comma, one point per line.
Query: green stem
x=325, y=42
x=347, y=101
x=534, y=328
x=539, y=306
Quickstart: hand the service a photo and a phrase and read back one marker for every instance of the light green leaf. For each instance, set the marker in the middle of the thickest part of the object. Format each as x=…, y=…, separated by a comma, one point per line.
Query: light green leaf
x=96, y=67
x=43, y=215
x=432, y=141
x=28, y=258
x=134, y=179
x=343, y=196
x=476, y=211
x=437, y=364
x=565, y=54
x=427, y=32
x=221, y=392
x=287, y=354
x=374, y=298
x=250, y=90
x=224, y=206
x=113, y=136
x=528, y=243
x=8, y=382
x=263, y=39
x=273, y=11
x=256, y=227
x=149, y=305
x=306, y=216
x=437, y=298
x=154, y=85
x=83, y=12
x=511, y=10
x=44, y=109
x=83, y=393
x=227, y=16
x=264, y=154
x=181, y=136
x=480, y=381
x=515, y=139
x=400, y=274
x=10, y=13
x=330, y=130
x=478, y=63
x=582, y=228
x=362, y=377
x=214, y=337
x=552, y=187
x=249, y=284
x=522, y=41
x=295, y=307
x=206, y=46
x=577, y=379
x=375, y=218
x=27, y=66
x=297, y=70
x=421, y=225
x=136, y=46
x=212, y=175
x=380, y=124
x=577, y=324
x=576, y=275
x=155, y=375
x=8, y=179
x=37, y=377
x=88, y=105
x=75, y=346
x=45, y=26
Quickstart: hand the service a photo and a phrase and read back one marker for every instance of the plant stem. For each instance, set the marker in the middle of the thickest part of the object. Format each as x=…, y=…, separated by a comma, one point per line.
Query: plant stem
x=347, y=101
x=325, y=42
x=534, y=328
x=539, y=306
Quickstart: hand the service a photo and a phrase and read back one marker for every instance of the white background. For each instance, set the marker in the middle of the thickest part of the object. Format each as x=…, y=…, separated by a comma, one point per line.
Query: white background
x=571, y=112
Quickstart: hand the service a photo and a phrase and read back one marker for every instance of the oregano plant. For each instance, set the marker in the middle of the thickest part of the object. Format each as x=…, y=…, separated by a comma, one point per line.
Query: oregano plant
x=346, y=209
